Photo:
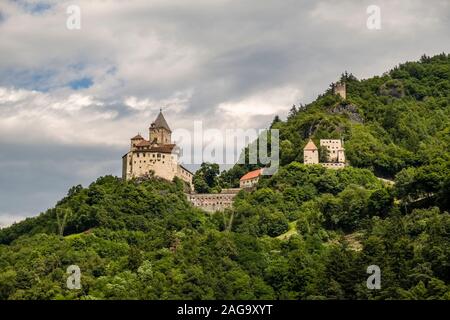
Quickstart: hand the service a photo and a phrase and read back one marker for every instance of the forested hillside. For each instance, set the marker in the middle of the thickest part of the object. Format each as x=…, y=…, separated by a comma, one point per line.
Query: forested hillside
x=304, y=233
x=388, y=123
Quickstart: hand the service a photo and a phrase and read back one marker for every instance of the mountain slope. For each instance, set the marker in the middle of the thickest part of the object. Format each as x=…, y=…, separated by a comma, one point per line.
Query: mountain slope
x=403, y=114
x=143, y=240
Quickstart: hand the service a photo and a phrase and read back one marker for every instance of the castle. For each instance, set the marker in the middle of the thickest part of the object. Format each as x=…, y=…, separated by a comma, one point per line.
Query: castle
x=339, y=88
x=335, y=154
x=156, y=156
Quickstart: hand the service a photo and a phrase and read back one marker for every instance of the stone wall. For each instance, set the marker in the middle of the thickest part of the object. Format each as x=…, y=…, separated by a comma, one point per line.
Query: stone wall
x=212, y=202
x=333, y=165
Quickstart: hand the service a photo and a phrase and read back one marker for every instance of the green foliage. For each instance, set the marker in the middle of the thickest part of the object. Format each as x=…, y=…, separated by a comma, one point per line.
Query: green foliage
x=304, y=233
x=205, y=179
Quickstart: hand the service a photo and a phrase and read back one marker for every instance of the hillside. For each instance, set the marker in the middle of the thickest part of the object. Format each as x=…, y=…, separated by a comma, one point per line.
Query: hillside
x=388, y=123
x=304, y=233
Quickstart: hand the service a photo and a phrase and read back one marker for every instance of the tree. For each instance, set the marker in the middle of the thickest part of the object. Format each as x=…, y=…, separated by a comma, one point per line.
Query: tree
x=380, y=202
x=62, y=214
x=293, y=112
x=206, y=178
x=275, y=120
x=323, y=154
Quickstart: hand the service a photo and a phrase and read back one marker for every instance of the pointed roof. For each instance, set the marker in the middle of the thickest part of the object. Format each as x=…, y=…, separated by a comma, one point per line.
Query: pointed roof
x=252, y=174
x=138, y=137
x=310, y=145
x=160, y=122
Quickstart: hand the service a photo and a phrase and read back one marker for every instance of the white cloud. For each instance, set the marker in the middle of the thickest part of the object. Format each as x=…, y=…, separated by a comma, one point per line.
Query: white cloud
x=76, y=102
x=176, y=103
x=398, y=16
x=7, y=219
x=269, y=102
x=78, y=118
x=13, y=96
x=38, y=117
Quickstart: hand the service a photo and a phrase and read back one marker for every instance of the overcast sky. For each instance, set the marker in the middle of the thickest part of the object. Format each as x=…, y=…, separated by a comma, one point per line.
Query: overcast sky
x=71, y=99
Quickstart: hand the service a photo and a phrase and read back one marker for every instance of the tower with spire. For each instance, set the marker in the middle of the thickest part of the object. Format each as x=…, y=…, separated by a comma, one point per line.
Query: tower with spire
x=159, y=131
x=157, y=156
x=310, y=153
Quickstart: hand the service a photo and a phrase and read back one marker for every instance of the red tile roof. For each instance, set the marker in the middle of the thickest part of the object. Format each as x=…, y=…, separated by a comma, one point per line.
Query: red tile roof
x=252, y=174
x=144, y=143
x=138, y=137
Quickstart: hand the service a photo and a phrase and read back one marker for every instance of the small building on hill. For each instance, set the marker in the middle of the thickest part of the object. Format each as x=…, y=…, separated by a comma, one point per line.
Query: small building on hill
x=212, y=202
x=335, y=153
x=310, y=153
x=250, y=179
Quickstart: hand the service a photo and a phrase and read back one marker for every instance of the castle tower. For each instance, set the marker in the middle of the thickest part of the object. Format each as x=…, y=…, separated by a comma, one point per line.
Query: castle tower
x=135, y=141
x=310, y=153
x=339, y=88
x=159, y=131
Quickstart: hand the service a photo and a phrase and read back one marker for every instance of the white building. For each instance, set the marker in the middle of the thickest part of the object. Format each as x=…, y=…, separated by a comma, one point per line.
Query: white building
x=335, y=150
x=335, y=157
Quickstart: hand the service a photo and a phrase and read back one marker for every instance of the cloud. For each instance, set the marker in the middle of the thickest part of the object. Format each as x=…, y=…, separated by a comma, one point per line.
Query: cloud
x=7, y=219
x=177, y=103
x=270, y=102
x=37, y=117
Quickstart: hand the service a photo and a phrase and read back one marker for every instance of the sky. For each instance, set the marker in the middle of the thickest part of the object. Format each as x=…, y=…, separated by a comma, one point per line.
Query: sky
x=70, y=99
